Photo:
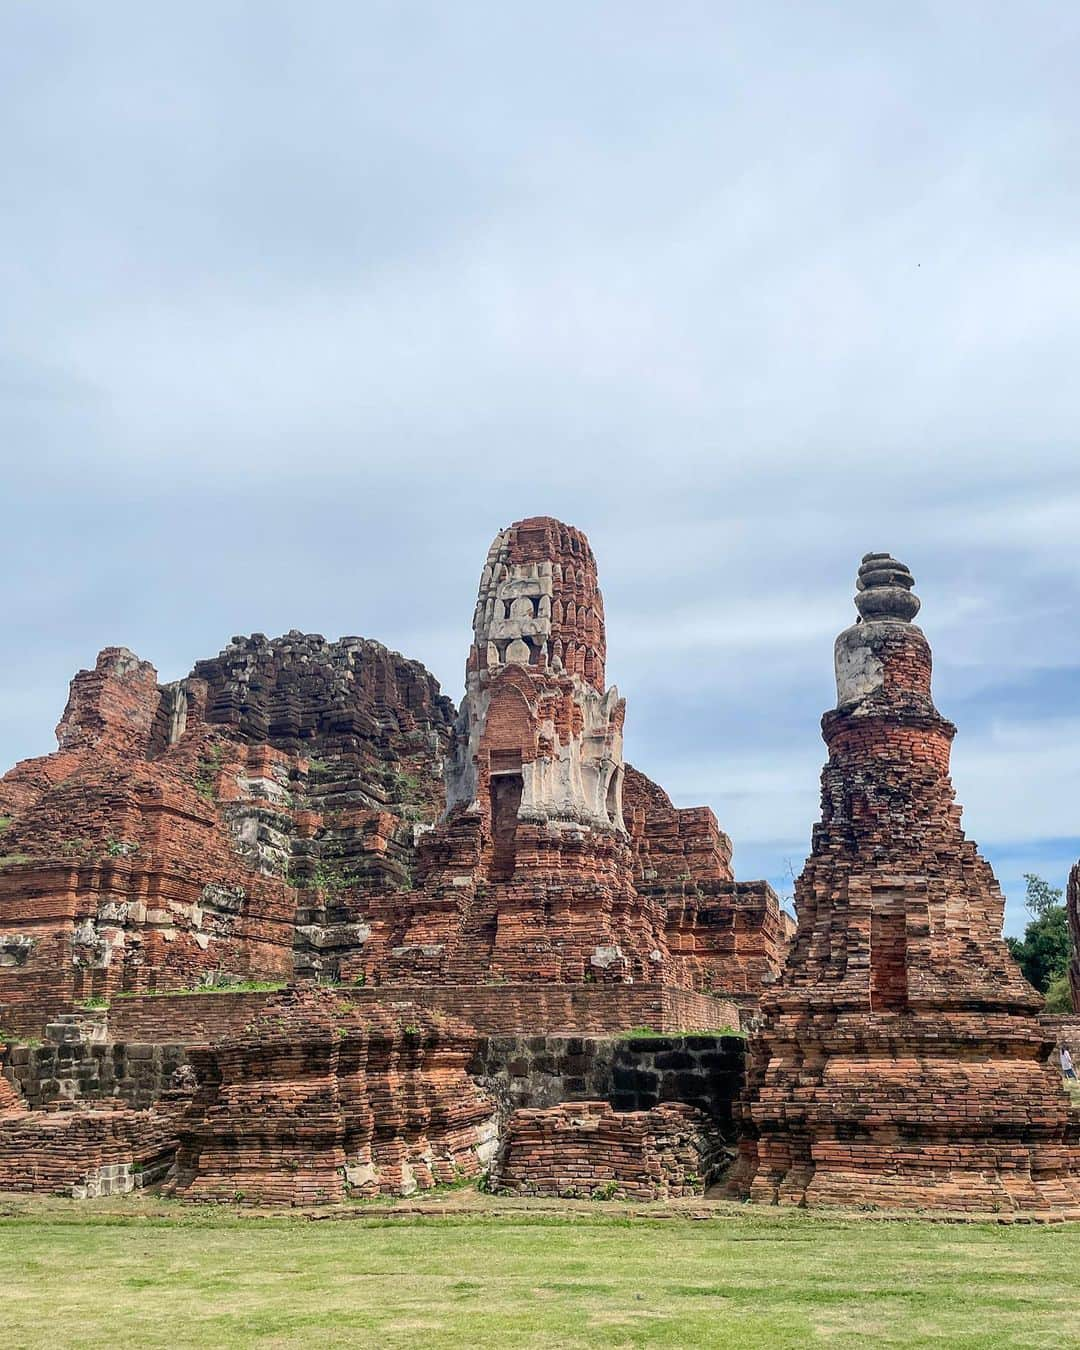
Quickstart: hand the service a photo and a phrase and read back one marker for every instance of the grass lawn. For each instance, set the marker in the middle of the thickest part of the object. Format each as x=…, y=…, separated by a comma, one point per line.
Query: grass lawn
x=173, y=1275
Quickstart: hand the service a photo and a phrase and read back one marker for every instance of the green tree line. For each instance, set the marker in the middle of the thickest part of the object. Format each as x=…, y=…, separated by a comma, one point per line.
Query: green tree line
x=1043, y=952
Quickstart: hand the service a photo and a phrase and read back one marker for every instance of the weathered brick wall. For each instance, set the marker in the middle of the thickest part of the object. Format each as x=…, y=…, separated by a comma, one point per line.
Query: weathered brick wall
x=586, y=1149
x=592, y=1010
x=86, y=1153
x=493, y=1009
x=724, y=936
x=631, y=1073
x=318, y=1099
x=182, y=1018
x=133, y=1074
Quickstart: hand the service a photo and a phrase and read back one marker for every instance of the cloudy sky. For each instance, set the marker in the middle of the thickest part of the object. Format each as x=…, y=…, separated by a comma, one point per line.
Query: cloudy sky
x=303, y=302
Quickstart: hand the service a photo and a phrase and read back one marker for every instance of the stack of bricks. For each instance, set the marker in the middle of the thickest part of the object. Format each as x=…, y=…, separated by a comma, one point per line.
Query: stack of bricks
x=588, y=1150
x=900, y=1062
x=86, y=1153
x=316, y=1101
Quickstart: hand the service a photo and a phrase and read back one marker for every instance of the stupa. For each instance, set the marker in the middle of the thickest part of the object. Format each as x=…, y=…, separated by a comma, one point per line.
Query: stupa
x=899, y=1061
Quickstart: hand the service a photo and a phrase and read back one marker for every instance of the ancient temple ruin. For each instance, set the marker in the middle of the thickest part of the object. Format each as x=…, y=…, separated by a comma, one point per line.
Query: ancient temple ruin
x=544, y=867
x=301, y=813
x=312, y=810
x=900, y=1062
x=293, y=928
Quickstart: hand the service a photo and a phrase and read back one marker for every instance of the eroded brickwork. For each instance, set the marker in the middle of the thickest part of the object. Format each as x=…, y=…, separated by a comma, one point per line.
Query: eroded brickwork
x=900, y=1061
x=316, y=1100
x=213, y=828
x=586, y=1149
x=494, y=1009
x=722, y=934
x=304, y=809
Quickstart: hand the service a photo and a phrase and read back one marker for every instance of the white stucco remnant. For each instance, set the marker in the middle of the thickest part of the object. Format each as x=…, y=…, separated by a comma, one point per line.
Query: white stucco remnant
x=858, y=671
x=581, y=780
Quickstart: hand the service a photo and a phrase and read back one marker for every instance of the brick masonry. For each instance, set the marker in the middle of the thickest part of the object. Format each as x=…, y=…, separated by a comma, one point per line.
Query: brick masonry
x=586, y=1149
x=131, y=1073
x=86, y=1153
x=492, y=1009
x=317, y=1099
x=900, y=1062
x=630, y=1073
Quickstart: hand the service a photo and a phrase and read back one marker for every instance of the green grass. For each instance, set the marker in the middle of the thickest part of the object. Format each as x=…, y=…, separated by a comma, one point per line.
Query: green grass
x=185, y=1277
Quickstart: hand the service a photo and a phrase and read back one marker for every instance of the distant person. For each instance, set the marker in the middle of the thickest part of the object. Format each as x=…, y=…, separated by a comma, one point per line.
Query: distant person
x=1066, y=1063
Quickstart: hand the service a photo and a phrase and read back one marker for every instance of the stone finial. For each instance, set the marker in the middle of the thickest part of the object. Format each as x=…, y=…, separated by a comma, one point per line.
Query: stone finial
x=884, y=590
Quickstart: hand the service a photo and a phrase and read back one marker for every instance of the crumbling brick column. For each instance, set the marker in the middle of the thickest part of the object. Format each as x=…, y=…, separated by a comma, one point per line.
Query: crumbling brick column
x=900, y=1062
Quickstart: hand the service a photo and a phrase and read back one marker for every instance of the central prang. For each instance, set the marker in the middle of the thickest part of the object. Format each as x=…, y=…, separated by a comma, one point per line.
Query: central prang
x=539, y=870
x=538, y=738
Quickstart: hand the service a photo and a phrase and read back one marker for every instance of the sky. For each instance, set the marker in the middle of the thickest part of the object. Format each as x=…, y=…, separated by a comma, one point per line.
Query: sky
x=302, y=303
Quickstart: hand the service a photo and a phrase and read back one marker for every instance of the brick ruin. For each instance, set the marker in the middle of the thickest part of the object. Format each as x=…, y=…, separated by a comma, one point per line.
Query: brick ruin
x=300, y=809
x=588, y=1150
x=554, y=861
x=297, y=811
x=452, y=917
x=316, y=1100
x=204, y=830
x=900, y=1061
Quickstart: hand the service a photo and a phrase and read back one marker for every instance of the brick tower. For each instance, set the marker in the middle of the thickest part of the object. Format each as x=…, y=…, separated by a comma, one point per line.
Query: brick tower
x=899, y=1061
x=530, y=874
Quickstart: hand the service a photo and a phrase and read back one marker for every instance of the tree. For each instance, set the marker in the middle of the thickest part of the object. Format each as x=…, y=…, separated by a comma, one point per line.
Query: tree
x=1041, y=896
x=1043, y=953
x=1059, y=995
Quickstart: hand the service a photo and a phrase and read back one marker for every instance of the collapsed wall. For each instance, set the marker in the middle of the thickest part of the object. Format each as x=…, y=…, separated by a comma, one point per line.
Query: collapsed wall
x=900, y=1061
x=584, y=1150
